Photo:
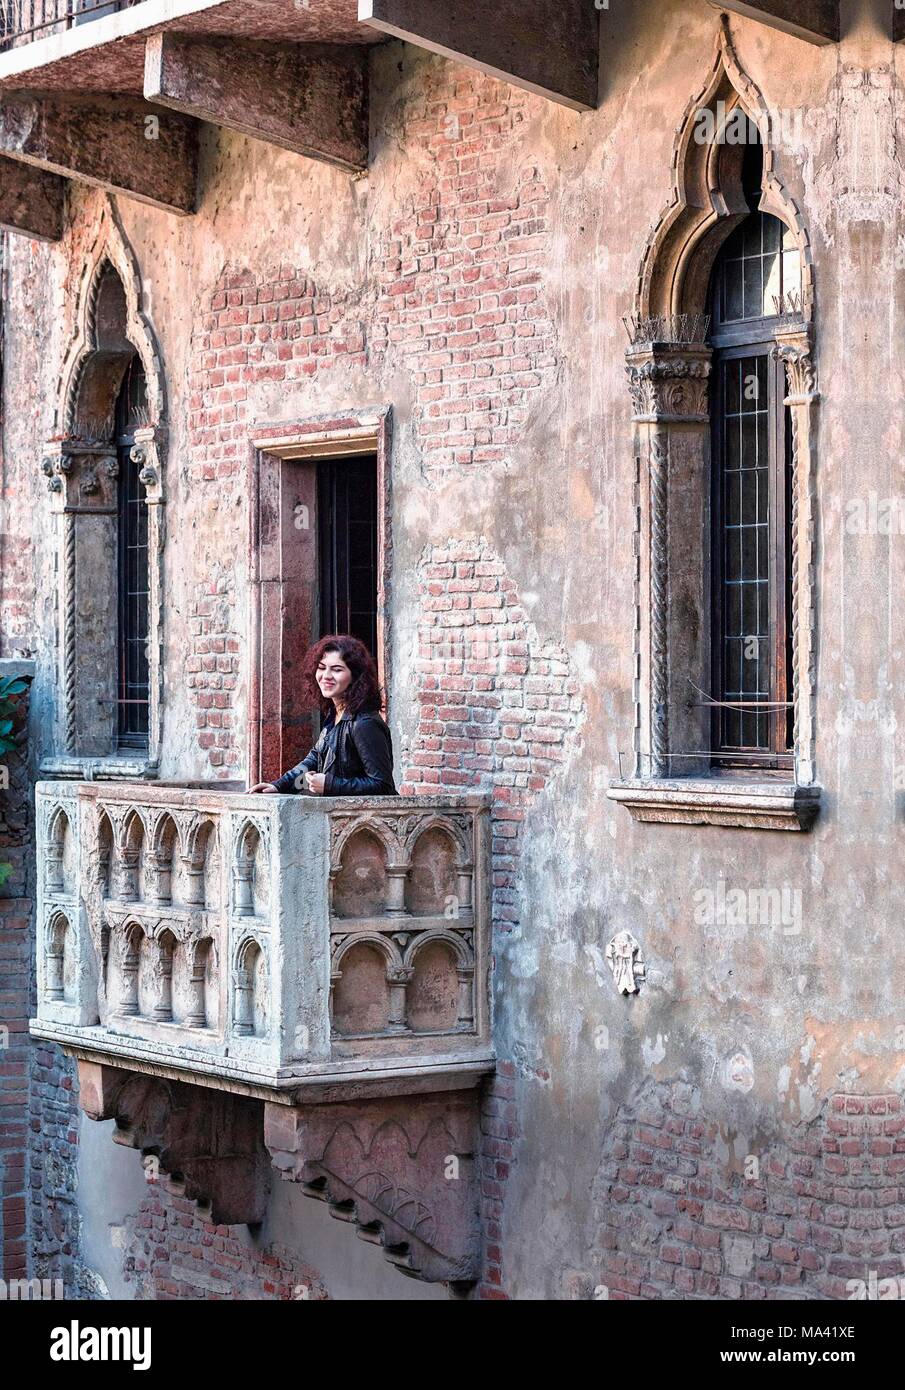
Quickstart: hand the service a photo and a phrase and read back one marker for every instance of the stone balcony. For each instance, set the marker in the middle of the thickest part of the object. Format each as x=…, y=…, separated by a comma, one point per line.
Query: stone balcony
x=100, y=44
x=116, y=93
x=302, y=981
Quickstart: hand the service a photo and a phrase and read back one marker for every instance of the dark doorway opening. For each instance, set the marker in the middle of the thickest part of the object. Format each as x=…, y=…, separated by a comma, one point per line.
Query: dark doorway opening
x=319, y=558
x=347, y=546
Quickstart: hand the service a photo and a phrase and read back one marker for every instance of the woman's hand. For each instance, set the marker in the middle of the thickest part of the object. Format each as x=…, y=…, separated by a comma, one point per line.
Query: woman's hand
x=266, y=787
x=315, y=782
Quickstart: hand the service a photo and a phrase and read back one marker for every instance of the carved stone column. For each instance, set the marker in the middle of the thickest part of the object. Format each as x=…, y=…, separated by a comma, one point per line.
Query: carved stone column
x=395, y=901
x=125, y=873
x=669, y=384
x=102, y=870
x=398, y=980
x=163, y=977
x=194, y=880
x=53, y=966
x=128, y=975
x=196, y=1016
x=793, y=349
x=53, y=866
x=465, y=1015
x=160, y=869
x=243, y=1011
x=149, y=451
x=82, y=480
x=243, y=885
x=465, y=884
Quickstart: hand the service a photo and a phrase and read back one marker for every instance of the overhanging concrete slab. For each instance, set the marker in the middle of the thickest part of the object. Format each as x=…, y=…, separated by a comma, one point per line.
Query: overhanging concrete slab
x=815, y=21
x=310, y=98
x=120, y=145
x=32, y=204
x=546, y=46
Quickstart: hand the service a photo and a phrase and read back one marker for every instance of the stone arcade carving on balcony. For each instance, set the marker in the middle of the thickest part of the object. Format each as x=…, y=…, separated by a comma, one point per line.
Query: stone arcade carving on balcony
x=316, y=970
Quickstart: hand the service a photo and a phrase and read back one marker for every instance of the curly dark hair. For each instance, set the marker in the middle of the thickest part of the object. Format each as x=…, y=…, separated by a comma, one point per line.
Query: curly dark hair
x=364, y=692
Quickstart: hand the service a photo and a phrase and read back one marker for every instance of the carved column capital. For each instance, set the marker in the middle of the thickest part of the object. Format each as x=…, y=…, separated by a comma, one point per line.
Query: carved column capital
x=794, y=351
x=668, y=383
x=148, y=452
x=81, y=475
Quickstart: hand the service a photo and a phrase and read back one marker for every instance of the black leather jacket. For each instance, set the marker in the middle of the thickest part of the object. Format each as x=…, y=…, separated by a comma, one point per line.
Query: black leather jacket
x=356, y=756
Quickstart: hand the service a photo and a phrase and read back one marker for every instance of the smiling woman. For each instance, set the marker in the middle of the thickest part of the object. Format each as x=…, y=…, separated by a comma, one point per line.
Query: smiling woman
x=354, y=754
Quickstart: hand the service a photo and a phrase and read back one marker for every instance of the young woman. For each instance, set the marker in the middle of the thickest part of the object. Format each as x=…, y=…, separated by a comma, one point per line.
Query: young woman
x=354, y=754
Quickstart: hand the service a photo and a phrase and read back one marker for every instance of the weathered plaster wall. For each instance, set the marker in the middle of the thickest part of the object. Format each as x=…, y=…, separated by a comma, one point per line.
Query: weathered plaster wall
x=476, y=280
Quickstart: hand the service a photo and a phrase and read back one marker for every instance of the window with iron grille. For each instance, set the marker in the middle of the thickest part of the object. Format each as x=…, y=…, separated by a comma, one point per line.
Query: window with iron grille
x=755, y=279
x=133, y=683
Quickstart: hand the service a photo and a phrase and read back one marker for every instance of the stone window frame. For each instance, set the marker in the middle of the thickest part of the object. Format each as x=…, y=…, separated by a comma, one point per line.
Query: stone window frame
x=360, y=431
x=82, y=481
x=668, y=368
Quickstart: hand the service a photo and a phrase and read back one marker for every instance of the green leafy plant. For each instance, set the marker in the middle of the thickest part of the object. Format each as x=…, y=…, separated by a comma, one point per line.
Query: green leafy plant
x=5, y=871
x=10, y=688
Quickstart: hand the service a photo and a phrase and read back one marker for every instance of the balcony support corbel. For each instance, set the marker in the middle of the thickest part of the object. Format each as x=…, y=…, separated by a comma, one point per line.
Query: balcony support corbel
x=209, y=1142
x=113, y=143
x=310, y=98
x=546, y=46
x=31, y=201
x=815, y=21
x=402, y=1168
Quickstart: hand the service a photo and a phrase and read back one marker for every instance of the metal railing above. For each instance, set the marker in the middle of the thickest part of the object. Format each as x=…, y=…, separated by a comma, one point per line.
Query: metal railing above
x=24, y=21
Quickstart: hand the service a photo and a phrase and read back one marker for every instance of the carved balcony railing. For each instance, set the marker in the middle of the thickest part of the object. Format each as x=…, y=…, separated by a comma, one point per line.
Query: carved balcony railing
x=294, y=982
x=275, y=941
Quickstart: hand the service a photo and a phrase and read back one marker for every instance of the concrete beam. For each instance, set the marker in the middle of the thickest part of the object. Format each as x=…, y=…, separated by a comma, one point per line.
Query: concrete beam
x=309, y=98
x=31, y=201
x=122, y=145
x=546, y=46
x=815, y=21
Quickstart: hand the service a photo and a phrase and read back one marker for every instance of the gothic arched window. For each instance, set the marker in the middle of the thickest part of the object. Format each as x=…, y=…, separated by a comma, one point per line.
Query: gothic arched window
x=105, y=470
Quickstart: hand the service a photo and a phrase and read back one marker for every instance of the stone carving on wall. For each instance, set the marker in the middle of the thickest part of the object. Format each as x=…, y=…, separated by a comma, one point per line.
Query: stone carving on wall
x=623, y=956
x=421, y=873
x=669, y=385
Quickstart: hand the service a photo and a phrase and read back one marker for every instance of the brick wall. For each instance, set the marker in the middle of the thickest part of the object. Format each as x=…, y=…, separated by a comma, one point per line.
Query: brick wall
x=15, y=969
x=498, y=709
x=452, y=297
x=461, y=306
x=271, y=326
x=170, y=1252
x=821, y=1205
x=16, y=934
x=499, y=1131
x=53, y=1141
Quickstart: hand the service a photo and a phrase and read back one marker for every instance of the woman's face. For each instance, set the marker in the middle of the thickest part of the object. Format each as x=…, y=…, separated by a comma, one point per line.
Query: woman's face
x=333, y=676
